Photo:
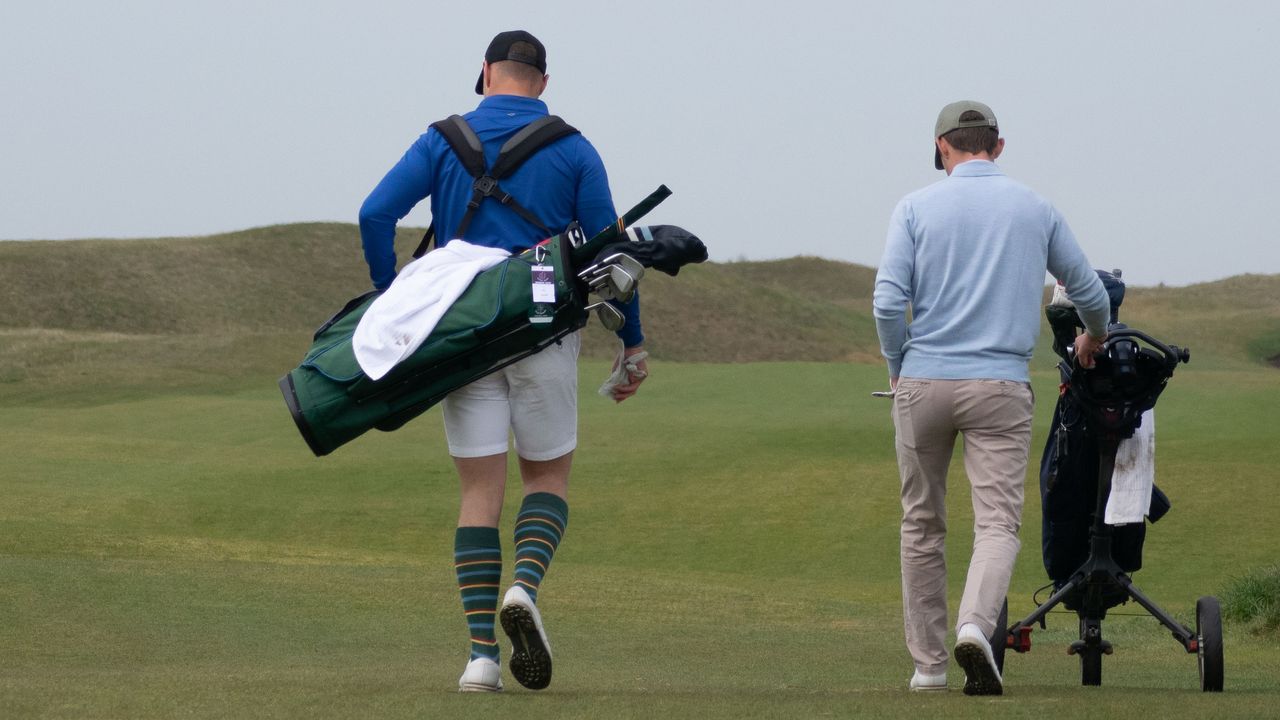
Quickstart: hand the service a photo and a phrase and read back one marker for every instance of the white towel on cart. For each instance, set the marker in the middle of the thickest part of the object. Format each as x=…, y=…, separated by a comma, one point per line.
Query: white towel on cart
x=401, y=318
x=1134, y=475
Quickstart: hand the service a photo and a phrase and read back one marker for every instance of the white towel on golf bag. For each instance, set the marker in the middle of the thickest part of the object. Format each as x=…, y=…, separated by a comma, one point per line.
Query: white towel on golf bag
x=1134, y=475
x=401, y=318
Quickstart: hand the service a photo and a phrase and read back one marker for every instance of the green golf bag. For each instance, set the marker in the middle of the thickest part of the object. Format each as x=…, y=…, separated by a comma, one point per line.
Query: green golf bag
x=490, y=326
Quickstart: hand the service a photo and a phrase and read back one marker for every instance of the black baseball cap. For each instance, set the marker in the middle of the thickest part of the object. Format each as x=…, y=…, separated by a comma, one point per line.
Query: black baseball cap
x=501, y=49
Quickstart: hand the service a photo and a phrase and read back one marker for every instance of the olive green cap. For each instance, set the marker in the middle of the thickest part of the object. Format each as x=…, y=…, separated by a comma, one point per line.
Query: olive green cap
x=949, y=119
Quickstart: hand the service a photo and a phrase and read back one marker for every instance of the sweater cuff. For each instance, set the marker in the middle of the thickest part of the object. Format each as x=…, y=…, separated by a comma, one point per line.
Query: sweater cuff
x=631, y=333
x=631, y=336
x=895, y=368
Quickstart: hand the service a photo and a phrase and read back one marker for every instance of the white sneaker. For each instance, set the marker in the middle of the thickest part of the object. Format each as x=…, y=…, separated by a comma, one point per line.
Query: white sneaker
x=530, y=650
x=481, y=675
x=973, y=652
x=928, y=683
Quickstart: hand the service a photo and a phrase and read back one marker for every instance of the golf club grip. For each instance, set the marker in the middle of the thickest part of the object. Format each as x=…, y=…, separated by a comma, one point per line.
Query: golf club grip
x=589, y=249
x=643, y=207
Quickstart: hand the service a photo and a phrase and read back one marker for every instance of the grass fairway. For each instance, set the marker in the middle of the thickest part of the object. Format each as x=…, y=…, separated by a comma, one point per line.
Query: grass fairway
x=732, y=553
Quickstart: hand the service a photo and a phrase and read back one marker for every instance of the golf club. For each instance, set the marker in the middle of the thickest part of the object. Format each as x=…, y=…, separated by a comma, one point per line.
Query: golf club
x=610, y=317
x=614, y=278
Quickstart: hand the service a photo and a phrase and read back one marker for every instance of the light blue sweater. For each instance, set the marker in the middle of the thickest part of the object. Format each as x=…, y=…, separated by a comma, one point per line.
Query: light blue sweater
x=968, y=254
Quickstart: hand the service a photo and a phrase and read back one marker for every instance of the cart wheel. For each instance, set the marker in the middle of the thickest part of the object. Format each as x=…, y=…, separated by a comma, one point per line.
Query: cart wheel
x=1000, y=638
x=1209, y=634
x=1090, y=655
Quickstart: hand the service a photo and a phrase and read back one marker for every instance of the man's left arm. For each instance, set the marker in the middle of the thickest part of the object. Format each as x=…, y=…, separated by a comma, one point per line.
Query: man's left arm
x=595, y=211
x=404, y=186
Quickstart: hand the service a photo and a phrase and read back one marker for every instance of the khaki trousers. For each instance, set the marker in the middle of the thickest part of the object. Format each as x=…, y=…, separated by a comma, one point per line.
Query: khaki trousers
x=994, y=417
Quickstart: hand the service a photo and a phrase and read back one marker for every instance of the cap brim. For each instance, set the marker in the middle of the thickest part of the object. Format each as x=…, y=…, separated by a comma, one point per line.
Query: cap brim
x=480, y=83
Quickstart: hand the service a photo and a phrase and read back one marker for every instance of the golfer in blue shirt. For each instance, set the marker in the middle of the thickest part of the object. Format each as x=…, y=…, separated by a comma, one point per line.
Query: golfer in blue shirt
x=534, y=400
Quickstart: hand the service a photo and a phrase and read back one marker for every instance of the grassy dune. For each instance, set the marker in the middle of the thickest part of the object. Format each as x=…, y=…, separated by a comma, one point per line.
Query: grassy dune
x=288, y=279
x=170, y=548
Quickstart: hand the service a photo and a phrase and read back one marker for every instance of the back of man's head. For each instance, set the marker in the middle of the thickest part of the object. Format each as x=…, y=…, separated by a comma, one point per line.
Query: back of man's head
x=510, y=73
x=973, y=139
x=516, y=63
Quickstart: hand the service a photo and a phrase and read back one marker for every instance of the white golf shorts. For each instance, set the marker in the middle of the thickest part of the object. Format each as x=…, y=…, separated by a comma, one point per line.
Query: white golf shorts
x=535, y=399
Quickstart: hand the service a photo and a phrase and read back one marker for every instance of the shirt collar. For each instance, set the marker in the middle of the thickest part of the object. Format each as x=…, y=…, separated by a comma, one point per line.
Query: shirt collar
x=976, y=168
x=513, y=103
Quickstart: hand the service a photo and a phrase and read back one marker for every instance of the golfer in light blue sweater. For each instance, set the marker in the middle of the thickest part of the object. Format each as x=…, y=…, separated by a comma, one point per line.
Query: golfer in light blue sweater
x=968, y=255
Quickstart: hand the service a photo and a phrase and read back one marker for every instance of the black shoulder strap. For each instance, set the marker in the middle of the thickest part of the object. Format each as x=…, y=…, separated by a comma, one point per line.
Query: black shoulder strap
x=428, y=238
x=467, y=147
x=465, y=143
x=531, y=138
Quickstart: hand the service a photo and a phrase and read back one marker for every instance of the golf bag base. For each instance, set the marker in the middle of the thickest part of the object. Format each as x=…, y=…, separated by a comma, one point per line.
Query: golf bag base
x=1068, y=486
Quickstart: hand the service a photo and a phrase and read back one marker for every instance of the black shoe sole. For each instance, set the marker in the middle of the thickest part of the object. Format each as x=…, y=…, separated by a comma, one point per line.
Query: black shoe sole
x=530, y=662
x=979, y=677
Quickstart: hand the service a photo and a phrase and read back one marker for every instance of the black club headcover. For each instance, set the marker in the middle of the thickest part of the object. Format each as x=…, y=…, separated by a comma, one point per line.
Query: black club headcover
x=666, y=248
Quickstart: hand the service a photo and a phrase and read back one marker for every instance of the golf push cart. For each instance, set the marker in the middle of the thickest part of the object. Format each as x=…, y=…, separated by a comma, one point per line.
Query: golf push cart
x=1089, y=560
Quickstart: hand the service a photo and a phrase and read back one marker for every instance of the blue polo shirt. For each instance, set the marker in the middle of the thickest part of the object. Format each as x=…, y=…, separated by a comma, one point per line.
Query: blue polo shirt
x=563, y=182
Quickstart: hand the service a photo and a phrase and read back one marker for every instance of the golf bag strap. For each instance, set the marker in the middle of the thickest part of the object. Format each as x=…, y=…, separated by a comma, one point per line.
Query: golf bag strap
x=520, y=147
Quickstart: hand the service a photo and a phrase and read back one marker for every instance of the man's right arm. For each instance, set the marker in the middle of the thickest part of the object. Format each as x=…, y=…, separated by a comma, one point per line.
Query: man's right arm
x=1069, y=265
x=404, y=186
x=893, y=289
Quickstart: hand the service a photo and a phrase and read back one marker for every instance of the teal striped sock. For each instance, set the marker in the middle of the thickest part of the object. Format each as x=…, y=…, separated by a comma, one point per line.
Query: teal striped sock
x=477, y=558
x=539, y=527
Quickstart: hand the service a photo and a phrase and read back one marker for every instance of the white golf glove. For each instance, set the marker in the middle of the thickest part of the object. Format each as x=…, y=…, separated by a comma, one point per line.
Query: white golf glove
x=623, y=369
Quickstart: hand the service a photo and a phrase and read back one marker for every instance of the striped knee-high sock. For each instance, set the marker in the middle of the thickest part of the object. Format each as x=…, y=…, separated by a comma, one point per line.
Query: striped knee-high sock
x=477, y=558
x=539, y=527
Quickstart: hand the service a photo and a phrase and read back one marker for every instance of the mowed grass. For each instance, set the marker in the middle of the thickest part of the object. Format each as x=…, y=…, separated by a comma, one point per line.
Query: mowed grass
x=732, y=552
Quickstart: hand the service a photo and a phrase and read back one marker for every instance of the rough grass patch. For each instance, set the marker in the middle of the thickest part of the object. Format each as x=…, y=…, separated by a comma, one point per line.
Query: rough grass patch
x=1266, y=346
x=1254, y=600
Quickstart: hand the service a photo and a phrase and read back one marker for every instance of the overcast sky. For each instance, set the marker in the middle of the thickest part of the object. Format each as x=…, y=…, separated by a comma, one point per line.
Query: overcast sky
x=784, y=128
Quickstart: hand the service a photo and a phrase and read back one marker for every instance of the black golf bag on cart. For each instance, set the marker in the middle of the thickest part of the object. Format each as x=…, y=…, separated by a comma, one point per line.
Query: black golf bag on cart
x=1087, y=559
x=1069, y=468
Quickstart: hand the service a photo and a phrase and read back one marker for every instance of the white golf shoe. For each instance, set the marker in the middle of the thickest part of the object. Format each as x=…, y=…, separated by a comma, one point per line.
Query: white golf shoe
x=973, y=652
x=928, y=683
x=530, y=650
x=481, y=675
